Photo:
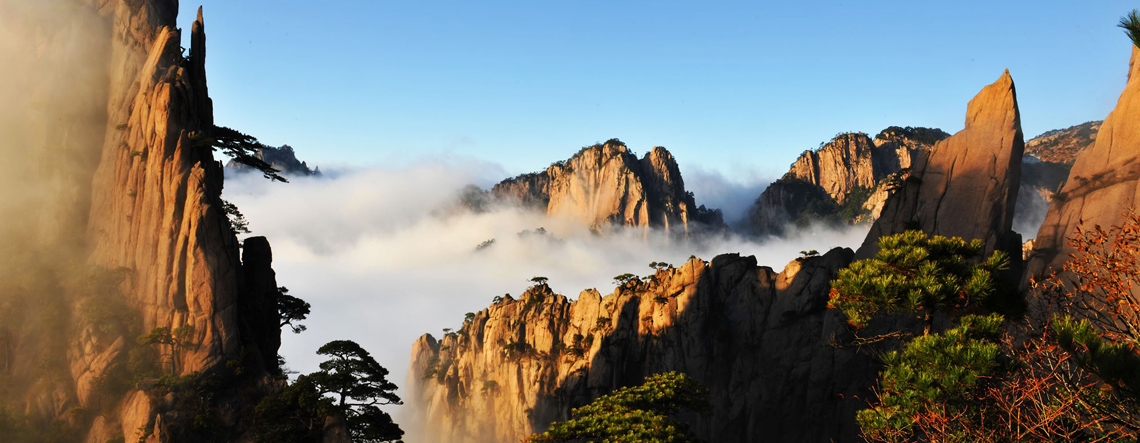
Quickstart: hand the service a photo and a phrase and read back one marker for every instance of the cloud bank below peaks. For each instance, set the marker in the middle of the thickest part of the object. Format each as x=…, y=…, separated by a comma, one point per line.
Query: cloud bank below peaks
x=383, y=255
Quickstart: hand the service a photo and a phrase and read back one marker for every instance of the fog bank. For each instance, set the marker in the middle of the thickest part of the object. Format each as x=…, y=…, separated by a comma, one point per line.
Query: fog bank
x=384, y=257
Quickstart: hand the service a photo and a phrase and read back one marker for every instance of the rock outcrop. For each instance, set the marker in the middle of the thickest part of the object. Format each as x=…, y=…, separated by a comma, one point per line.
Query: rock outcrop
x=853, y=161
x=758, y=339
x=845, y=181
x=283, y=159
x=1102, y=183
x=154, y=250
x=966, y=186
x=607, y=185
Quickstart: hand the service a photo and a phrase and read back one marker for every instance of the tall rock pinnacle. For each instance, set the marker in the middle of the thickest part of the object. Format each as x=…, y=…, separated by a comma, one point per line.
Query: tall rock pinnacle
x=966, y=186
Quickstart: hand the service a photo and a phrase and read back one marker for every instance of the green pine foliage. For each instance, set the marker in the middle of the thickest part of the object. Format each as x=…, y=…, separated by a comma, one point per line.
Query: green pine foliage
x=937, y=375
x=1131, y=25
x=351, y=386
x=635, y=414
x=1116, y=363
x=916, y=273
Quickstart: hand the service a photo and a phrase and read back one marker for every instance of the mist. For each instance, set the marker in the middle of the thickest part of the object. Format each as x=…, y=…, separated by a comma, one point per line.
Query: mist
x=384, y=255
x=53, y=86
x=732, y=195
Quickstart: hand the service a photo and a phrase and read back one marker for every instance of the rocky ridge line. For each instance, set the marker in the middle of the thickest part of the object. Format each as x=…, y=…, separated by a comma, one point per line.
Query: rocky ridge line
x=757, y=338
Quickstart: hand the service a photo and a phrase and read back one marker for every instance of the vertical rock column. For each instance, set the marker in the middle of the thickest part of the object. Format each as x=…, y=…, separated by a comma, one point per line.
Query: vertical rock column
x=156, y=206
x=966, y=186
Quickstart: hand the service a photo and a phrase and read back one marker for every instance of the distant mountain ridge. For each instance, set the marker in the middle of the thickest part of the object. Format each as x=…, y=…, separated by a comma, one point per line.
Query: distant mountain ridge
x=1063, y=145
x=759, y=339
x=606, y=185
x=843, y=182
x=283, y=159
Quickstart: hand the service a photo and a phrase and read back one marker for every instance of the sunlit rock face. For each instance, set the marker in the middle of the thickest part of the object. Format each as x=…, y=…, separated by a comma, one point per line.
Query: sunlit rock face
x=851, y=170
x=606, y=185
x=1102, y=183
x=156, y=206
x=143, y=197
x=757, y=338
x=966, y=186
x=849, y=161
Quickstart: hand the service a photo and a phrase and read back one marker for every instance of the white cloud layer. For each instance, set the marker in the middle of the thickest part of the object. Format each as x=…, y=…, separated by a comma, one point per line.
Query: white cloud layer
x=382, y=264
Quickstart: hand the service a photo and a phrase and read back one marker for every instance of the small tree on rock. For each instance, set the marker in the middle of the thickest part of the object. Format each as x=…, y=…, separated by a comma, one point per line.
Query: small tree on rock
x=914, y=273
x=635, y=414
x=358, y=385
x=291, y=309
x=1131, y=25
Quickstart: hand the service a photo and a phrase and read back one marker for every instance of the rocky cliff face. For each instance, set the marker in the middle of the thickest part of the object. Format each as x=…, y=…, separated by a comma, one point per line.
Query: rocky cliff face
x=606, y=185
x=1102, y=183
x=845, y=181
x=967, y=185
x=758, y=339
x=157, y=252
x=853, y=160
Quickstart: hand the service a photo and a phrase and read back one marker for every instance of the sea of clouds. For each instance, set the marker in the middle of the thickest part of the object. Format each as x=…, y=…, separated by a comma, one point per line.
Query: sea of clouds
x=385, y=255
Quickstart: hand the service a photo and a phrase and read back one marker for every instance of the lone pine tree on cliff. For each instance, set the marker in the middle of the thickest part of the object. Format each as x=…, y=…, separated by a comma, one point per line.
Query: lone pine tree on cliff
x=350, y=386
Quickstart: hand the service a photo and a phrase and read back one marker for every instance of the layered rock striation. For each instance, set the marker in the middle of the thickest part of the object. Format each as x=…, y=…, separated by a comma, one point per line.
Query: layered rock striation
x=757, y=338
x=966, y=186
x=607, y=185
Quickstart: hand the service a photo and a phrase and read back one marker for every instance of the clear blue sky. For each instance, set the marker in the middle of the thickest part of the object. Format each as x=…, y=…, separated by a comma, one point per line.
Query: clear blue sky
x=728, y=86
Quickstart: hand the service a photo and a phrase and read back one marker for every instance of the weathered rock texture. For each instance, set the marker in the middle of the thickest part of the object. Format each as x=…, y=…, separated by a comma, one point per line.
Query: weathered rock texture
x=1102, y=183
x=850, y=161
x=606, y=185
x=158, y=251
x=1063, y=145
x=283, y=159
x=966, y=186
x=758, y=339
x=156, y=208
x=844, y=181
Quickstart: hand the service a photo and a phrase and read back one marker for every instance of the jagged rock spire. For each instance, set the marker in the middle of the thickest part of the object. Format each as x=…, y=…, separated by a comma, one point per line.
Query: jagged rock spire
x=966, y=186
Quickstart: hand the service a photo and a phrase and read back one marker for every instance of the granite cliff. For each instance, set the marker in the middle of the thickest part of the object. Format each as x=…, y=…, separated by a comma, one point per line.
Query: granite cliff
x=761, y=340
x=606, y=185
x=966, y=185
x=1102, y=183
x=145, y=246
x=844, y=181
x=757, y=338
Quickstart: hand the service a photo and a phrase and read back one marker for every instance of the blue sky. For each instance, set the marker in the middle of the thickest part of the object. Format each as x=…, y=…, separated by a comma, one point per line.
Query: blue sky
x=734, y=87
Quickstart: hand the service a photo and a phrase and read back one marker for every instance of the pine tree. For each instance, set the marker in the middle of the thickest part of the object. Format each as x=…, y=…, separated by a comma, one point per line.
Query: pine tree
x=916, y=274
x=634, y=414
